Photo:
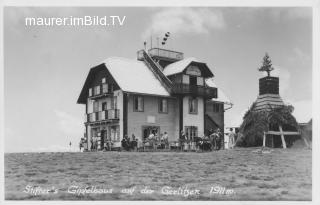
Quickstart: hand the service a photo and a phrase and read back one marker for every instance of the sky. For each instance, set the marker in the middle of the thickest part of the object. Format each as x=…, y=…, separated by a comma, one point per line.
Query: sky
x=45, y=67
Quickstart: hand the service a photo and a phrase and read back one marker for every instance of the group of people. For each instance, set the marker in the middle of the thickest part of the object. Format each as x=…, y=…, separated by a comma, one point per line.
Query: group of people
x=213, y=141
x=157, y=142
x=82, y=144
x=94, y=143
x=129, y=144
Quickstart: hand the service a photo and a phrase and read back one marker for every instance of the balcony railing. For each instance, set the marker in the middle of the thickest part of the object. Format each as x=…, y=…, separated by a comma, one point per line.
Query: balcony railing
x=203, y=91
x=166, y=53
x=112, y=114
x=100, y=90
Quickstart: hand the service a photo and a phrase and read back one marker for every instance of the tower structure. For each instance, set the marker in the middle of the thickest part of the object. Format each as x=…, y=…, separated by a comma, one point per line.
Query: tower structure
x=269, y=97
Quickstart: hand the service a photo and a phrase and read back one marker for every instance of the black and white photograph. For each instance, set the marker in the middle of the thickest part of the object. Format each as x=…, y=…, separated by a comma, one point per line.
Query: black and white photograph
x=160, y=102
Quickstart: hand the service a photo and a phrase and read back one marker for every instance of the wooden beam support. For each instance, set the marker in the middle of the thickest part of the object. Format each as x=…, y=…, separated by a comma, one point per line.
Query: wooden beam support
x=306, y=142
x=284, y=145
x=279, y=133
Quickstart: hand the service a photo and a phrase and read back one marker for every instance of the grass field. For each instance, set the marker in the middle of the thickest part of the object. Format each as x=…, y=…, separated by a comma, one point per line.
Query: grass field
x=239, y=174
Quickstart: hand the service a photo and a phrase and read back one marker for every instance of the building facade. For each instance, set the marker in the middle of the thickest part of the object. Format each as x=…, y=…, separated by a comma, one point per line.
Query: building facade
x=159, y=92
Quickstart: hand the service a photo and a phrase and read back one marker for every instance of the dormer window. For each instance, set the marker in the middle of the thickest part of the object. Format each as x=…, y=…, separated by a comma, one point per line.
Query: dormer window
x=103, y=80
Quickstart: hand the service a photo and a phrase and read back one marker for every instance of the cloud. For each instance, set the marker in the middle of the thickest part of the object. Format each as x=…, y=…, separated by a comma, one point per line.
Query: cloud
x=235, y=119
x=185, y=20
x=69, y=124
x=300, y=57
x=299, y=13
x=284, y=14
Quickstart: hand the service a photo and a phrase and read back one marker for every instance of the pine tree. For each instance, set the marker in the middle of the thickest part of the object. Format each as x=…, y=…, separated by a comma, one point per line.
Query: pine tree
x=266, y=65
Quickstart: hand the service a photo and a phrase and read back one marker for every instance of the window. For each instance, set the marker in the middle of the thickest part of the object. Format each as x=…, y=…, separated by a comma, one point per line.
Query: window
x=103, y=80
x=193, y=80
x=216, y=107
x=114, y=102
x=163, y=105
x=90, y=92
x=193, y=105
x=104, y=106
x=97, y=90
x=191, y=132
x=104, y=88
x=200, y=81
x=115, y=133
x=95, y=106
x=138, y=103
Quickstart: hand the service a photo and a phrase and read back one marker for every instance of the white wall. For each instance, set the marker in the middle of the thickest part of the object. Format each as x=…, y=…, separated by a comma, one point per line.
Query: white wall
x=193, y=119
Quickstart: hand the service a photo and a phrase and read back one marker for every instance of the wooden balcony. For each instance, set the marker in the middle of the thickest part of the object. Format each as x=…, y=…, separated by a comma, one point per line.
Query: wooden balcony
x=103, y=91
x=106, y=115
x=187, y=89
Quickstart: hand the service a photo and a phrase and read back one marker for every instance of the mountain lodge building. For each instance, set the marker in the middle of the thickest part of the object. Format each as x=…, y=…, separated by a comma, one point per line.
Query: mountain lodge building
x=159, y=92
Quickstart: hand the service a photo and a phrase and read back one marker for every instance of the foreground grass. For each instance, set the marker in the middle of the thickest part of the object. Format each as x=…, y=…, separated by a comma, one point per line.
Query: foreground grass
x=279, y=175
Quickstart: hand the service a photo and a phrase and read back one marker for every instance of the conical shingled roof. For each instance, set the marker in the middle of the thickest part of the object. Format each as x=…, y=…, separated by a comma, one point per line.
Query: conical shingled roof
x=269, y=97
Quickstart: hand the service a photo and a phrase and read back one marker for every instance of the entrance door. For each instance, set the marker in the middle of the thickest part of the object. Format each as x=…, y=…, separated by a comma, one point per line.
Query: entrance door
x=191, y=132
x=147, y=130
x=103, y=138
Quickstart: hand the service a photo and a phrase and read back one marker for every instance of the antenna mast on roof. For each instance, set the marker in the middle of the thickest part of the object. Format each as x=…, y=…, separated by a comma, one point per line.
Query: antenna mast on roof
x=145, y=45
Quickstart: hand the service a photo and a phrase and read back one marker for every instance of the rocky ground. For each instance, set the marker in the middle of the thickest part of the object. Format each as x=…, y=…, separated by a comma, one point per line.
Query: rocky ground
x=239, y=174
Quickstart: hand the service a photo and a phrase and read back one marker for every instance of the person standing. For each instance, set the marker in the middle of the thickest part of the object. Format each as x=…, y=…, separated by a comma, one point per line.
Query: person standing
x=91, y=143
x=213, y=139
x=165, y=140
x=151, y=139
x=134, y=142
x=231, y=138
x=109, y=143
x=182, y=139
x=80, y=144
x=218, y=139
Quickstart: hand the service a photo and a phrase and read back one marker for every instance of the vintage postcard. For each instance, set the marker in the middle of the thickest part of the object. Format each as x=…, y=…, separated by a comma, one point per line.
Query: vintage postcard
x=163, y=103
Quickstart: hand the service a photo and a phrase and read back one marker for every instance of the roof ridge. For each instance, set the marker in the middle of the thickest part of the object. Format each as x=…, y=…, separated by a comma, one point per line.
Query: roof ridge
x=119, y=58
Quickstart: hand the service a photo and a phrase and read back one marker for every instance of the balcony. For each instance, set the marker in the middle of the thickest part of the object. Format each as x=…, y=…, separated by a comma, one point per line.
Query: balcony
x=100, y=91
x=187, y=89
x=166, y=54
x=106, y=115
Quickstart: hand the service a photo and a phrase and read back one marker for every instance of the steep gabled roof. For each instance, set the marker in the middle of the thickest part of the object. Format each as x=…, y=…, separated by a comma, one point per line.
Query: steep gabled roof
x=134, y=76
x=130, y=75
x=181, y=65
